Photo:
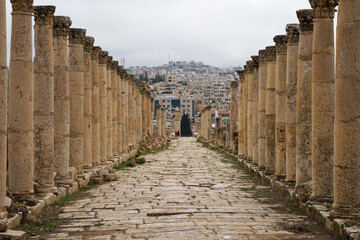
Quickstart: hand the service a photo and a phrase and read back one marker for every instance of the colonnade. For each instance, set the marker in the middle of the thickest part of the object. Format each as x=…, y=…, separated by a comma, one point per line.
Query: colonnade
x=306, y=119
x=70, y=109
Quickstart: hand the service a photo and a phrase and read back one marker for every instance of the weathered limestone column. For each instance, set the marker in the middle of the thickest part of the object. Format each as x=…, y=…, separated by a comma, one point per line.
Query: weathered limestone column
x=130, y=111
x=347, y=111
x=323, y=80
x=44, y=99
x=280, y=105
x=95, y=109
x=163, y=123
x=177, y=120
x=120, y=111
x=76, y=76
x=270, y=109
x=20, y=128
x=89, y=42
x=245, y=99
x=158, y=120
x=233, y=113
x=241, y=122
x=3, y=106
x=126, y=112
x=262, y=109
x=152, y=117
x=303, y=103
x=61, y=27
x=114, y=93
x=109, y=152
x=103, y=104
x=250, y=107
x=255, y=109
x=291, y=83
x=138, y=116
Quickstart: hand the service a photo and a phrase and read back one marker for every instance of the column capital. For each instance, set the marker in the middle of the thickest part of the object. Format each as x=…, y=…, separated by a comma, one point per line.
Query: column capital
x=234, y=85
x=255, y=61
x=103, y=57
x=281, y=44
x=44, y=15
x=95, y=51
x=249, y=67
x=324, y=8
x=292, y=31
x=88, y=44
x=109, y=60
x=77, y=36
x=22, y=5
x=241, y=74
x=305, y=17
x=270, y=53
x=114, y=65
x=61, y=26
x=262, y=56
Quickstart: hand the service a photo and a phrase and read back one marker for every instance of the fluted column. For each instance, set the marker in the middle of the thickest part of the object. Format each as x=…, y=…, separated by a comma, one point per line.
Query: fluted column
x=95, y=108
x=255, y=109
x=291, y=82
x=347, y=110
x=241, y=121
x=323, y=80
x=303, y=103
x=44, y=99
x=103, y=103
x=120, y=111
x=89, y=42
x=270, y=109
x=114, y=93
x=233, y=113
x=76, y=76
x=61, y=27
x=262, y=109
x=280, y=105
x=109, y=151
x=3, y=105
x=20, y=128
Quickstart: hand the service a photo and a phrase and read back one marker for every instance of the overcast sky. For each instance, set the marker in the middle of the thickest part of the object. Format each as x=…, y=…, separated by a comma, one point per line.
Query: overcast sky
x=218, y=32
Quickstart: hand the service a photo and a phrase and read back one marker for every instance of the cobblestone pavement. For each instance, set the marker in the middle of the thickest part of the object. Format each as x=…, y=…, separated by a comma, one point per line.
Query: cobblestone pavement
x=186, y=192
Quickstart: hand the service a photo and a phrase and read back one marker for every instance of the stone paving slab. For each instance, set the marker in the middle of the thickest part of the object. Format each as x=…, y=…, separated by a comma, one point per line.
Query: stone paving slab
x=186, y=192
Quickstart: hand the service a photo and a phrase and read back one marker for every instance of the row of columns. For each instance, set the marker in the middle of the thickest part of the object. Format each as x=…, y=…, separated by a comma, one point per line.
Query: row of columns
x=306, y=122
x=70, y=109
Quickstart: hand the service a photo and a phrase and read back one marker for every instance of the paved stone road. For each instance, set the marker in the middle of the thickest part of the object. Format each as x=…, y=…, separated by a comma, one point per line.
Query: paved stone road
x=186, y=192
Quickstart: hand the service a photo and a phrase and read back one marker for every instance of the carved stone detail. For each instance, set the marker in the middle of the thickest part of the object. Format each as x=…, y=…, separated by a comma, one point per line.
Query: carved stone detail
x=234, y=84
x=77, y=36
x=306, y=17
x=293, y=33
x=109, y=62
x=255, y=61
x=22, y=5
x=95, y=51
x=103, y=55
x=44, y=15
x=271, y=54
x=61, y=26
x=281, y=44
x=249, y=67
x=88, y=44
x=324, y=8
x=262, y=57
x=114, y=65
x=241, y=74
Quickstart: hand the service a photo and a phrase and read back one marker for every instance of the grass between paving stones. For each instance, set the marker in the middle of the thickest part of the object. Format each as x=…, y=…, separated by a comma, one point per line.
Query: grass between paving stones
x=49, y=217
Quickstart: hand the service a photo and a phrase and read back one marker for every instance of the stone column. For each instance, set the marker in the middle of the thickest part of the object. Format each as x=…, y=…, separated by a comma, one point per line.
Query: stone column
x=61, y=27
x=114, y=93
x=20, y=128
x=245, y=100
x=347, y=111
x=120, y=111
x=130, y=102
x=262, y=109
x=163, y=123
x=152, y=118
x=76, y=76
x=233, y=113
x=109, y=152
x=44, y=99
x=241, y=122
x=126, y=113
x=139, y=113
x=303, y=102
x=158, y=120
x=280, y=105
x=177, y=120
x=3, y=105
x=291, y=82
x=255, y=109
x=89, y=42
x=323, y=80
x=250, y=107
x=95, y=109
x=270, y=109
x=103, y=104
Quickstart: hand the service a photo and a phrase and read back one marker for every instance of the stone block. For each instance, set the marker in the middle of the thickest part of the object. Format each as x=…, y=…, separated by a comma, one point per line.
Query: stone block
x=13, y=235
x=111, y=177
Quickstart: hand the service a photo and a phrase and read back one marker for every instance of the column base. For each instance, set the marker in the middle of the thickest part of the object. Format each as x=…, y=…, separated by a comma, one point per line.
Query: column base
x=44, y=188
x=340, y=211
